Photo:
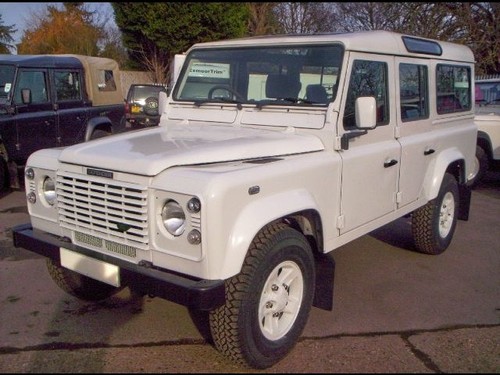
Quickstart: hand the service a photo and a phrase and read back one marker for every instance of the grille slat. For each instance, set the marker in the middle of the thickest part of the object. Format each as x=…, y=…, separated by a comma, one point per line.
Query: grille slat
x=96, y=206
x=90, y=209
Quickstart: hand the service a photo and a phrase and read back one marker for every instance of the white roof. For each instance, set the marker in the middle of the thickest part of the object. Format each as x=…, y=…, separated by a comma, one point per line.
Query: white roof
x=377, y=41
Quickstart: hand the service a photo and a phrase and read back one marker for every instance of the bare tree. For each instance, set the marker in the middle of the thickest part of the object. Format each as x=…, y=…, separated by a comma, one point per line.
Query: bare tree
x=261, y=21
x=304, y=18
x=474, y=24
x=355, y=16
x=156, y=64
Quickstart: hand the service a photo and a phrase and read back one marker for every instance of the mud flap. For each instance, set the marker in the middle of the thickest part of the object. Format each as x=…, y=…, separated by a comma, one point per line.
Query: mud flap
x=465, y=193
x=325, y=274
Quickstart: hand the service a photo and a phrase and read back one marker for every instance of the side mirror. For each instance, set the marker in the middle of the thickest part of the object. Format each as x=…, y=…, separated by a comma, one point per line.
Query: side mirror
x=365, y=109
x=162, y=102
x=26, y=96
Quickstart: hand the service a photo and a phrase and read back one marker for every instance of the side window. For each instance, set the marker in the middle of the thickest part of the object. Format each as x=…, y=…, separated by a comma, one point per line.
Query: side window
x=413, y=92
x=368, y=78
x=34, y=80
x=453, y=88
x=67, y=85
x=106, y=80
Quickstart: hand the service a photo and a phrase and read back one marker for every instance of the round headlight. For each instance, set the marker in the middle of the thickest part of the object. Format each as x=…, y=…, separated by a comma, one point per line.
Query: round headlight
x=173, y=218
x=49, y=190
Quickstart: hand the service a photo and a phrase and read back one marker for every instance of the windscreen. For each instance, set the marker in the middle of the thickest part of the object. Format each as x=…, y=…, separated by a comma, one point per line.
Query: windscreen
x=297, y=75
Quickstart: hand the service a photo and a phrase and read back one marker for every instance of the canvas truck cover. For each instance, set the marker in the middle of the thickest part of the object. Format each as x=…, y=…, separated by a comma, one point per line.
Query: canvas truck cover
x=102, y=80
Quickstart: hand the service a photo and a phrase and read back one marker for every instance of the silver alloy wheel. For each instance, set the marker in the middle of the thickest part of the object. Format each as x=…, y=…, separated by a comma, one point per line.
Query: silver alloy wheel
x=446, y=214
x=281, y=300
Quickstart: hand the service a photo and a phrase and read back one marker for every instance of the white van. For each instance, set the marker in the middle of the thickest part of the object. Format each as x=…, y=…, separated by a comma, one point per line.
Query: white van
x=487, y=90
x=271, y=153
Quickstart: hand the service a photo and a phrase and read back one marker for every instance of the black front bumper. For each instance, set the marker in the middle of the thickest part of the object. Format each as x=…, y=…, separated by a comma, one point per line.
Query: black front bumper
x=181, y=289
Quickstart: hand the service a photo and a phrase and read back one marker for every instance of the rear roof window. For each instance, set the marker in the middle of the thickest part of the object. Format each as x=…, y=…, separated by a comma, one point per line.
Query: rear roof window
x=417, y=45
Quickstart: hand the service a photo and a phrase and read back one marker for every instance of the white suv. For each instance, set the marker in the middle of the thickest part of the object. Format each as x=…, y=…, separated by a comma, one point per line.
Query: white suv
x=488, y=122
x=270, y=153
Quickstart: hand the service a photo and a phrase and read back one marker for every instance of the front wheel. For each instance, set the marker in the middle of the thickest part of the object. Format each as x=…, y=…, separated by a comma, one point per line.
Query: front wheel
x=78, y=285
x=268, y=302
x=434, y=223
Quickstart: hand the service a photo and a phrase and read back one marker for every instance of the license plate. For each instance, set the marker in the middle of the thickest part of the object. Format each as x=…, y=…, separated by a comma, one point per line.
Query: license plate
x=135, y=109
x=93, y=268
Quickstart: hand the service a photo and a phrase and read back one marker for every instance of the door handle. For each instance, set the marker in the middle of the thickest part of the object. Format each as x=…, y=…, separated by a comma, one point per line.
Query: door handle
x=390, y=163
x=429, y=151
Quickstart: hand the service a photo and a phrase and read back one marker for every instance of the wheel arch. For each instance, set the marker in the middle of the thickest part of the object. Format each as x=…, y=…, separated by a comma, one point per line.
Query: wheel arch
x=452, y=162
x=484, y=141
x=301, y=215
x=98, y=123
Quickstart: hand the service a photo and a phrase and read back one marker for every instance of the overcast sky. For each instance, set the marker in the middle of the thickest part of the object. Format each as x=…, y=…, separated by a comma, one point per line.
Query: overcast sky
x=17, y=13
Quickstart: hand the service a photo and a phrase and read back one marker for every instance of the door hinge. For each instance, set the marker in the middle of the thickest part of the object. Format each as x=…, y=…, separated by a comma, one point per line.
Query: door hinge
x=337, y=144
x=399, y=197
x=340, y=221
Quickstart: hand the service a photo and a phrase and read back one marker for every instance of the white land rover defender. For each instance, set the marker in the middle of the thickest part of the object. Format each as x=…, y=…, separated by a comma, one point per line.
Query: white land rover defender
x=271, y=152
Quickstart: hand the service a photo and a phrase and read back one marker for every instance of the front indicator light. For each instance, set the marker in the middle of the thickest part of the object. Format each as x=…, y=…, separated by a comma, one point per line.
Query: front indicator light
x=194, y=205
x=32, y=197
x=29, y=173
x=194, y=237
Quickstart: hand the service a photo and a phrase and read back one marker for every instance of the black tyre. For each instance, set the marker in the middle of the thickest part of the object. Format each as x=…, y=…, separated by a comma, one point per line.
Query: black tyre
x=78, y=285
x=481, y=166
x=433, y=224
x=4, y=176
x=98, y=133
x=268, y=302
x=151, y=106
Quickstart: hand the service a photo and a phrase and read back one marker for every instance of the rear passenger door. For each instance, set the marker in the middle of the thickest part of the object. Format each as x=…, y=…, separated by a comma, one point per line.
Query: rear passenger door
x=370, y=166
x=70, y=107
x=414, y=131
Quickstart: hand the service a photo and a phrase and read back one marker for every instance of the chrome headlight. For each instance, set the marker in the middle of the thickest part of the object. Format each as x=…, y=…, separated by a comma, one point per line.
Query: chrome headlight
x=174, y=218
x=49, y=190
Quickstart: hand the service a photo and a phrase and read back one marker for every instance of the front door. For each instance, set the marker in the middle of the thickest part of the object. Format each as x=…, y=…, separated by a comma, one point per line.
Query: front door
x=370, y=166
x=35, y=121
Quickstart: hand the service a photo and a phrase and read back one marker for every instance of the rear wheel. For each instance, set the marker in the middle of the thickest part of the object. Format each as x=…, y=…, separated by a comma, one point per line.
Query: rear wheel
x=78, y=285
x=481, y=166
x=268, y=302
x=433, y=224
x=98, y=133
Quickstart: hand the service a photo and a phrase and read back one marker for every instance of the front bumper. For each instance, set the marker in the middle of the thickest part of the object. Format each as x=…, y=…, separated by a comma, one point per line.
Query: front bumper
x=184, y=290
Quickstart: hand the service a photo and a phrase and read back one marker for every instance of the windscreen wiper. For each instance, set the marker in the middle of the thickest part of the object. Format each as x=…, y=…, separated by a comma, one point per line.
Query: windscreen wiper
x=198, y=103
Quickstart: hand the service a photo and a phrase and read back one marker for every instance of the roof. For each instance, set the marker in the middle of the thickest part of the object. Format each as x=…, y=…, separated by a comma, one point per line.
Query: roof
x=35, y=61
x=93, y=67
x=376, y=41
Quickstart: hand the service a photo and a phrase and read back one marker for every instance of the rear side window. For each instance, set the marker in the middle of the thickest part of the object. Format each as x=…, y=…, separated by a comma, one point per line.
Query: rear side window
x=67, y=85
x=106, y=80
x=413, y=91
x=453, y=88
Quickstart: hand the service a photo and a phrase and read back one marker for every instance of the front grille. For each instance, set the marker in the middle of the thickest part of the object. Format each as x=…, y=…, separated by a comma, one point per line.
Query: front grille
x=102, y=208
